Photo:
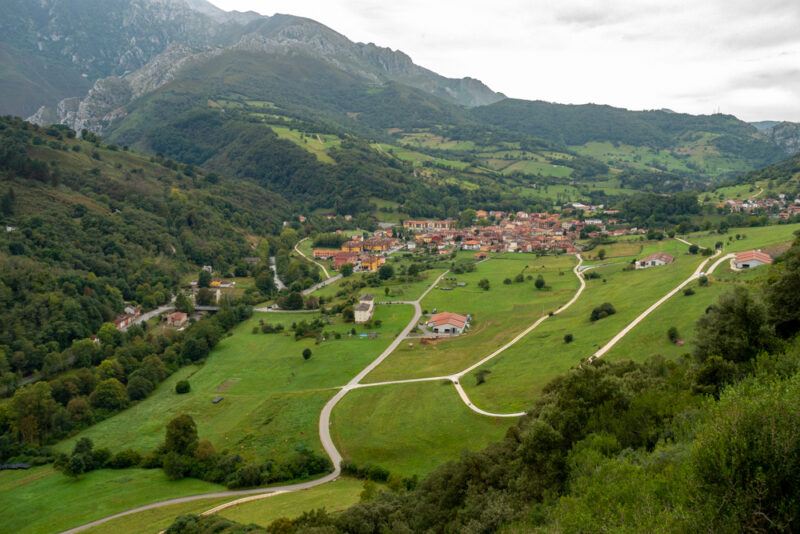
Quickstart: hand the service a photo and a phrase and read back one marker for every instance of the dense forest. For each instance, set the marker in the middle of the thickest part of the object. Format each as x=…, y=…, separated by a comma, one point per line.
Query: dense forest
x=707, y=443
x=90, y=226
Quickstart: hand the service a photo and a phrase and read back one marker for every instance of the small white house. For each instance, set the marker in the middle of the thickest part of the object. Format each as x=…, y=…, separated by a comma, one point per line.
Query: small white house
x=364, y=309
x=655, y=260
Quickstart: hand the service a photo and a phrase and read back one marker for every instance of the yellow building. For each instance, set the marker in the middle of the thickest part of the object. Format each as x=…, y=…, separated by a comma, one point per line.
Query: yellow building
x=352, y=246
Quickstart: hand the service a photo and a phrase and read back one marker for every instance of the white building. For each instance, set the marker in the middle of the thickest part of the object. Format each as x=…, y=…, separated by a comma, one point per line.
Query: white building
x=364, y=309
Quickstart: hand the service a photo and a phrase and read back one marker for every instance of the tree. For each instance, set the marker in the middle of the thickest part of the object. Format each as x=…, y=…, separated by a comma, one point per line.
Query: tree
x=507, y=281
x=181, y=436
x=265, y=282
x=602, y=311
x=519, y=278
x=139, y=388
x=539, y=283
x=204, y=279
x=109, y=335
x=182, y=387
x=568, y=338
x=782, y=293
x=467, y=218
x=204, y=297
x=306, y=354
x=194, y=348
x=75, y=466
x=293, y=301
x=601, y=254
x=346, y=269
x=385, y=272
x=693, y=249
x=7, y=202
x=484, y=284
x=31, y=411
x=183, y=304
x=672, y=334
x=735, y=328
x=109, y=394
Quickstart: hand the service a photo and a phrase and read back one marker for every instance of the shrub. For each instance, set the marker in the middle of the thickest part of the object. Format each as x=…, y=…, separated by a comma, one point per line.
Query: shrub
x=688, y=291
x=124, y=459
x=568, y=338
x=602, y=311
x=672, y=334
x=306, y=354
x=182, y=387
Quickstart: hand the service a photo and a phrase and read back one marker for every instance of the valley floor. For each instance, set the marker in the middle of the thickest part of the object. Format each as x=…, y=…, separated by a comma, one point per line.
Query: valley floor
x=390, y=401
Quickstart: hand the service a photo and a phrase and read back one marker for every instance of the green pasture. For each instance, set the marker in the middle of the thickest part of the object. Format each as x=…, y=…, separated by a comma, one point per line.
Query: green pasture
x=498, y=314
x=410, y=428
x=317, y=144
x=518, y=374
x=539, y=168
x=41, y=500
x=155, y=519
x=272, y=396
x=333, y=496
x=750, y=238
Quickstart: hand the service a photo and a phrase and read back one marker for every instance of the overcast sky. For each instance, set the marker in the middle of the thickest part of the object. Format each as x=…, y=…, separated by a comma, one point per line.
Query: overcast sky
x=696, y=56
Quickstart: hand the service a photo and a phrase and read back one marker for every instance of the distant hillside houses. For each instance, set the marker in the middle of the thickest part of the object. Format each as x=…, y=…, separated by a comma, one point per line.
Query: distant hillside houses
x=780, y=207
x=428, y=226
x=365, y=255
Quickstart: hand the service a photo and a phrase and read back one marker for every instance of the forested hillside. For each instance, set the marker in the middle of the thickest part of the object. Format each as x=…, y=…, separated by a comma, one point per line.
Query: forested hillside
x=88, y=225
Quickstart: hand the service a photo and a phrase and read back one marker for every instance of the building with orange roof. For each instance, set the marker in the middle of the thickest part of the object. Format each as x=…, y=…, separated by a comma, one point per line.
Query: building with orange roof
x=448, y=323
x=752, y=258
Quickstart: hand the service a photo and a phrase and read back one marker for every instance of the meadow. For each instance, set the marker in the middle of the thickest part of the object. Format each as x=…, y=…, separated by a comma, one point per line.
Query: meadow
x=411, y=428
x=41, y=500
x=333, y=496
x=517, y=375
x=272, y=396
x=498, y=314
x=750, y=237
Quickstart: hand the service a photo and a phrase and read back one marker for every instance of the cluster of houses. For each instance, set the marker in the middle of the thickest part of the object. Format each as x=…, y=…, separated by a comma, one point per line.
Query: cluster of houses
x=366, y=255
x=520, y=232
x=780, y=207
x=128, y=318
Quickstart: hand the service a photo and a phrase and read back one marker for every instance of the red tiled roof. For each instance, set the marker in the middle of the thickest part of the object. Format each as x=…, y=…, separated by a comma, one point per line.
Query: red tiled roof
x=751, y=255
x=454, y=319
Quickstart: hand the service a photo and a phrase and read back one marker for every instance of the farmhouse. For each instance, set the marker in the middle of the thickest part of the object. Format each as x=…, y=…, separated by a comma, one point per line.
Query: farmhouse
x=364, y=309
x=752, y=258
x=448, y=323
x=655, y=260
x=176, y=319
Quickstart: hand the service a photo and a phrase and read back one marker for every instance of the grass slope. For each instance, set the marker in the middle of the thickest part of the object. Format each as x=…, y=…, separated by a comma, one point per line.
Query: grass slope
x=42, y=500
x=498, y=314
x=410, y=428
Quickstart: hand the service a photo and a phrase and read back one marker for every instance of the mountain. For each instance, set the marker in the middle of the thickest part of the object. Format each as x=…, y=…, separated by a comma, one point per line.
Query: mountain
x=86, y=40
x=786, y=135
x=764, y=125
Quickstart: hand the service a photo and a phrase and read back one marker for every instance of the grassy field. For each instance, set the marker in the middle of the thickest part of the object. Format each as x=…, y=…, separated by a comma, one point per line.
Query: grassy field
x=750, y=238
x=42, y=500
x=498, y=314
x=650, y=336
x=272, y=396
x=431, y=427
x=518, y=374
x=155, y=519
x=333, y=496
x=317, y=144
x=536, y=167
